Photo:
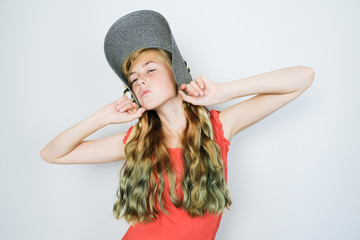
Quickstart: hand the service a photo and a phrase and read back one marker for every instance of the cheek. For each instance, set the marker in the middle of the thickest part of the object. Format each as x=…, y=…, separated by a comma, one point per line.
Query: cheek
x=170, y=83
x=135, y=90
x=171, y=88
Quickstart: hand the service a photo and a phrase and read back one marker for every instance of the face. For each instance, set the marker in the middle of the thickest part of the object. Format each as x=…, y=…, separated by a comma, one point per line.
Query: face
x=152, y=80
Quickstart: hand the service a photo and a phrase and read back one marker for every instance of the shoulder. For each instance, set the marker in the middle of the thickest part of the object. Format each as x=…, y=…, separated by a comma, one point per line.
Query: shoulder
x=218, y=128
x=218, y=118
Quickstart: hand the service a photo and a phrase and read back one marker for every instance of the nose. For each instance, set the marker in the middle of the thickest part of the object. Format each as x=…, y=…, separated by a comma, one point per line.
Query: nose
x=141, y=80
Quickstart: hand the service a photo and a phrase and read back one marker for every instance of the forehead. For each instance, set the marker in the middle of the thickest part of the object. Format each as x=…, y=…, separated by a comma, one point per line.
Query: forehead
x=150, y=55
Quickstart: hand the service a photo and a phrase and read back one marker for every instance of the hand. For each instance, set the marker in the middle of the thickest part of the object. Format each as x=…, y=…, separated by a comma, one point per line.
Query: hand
x=121, y=111
x=201, y=91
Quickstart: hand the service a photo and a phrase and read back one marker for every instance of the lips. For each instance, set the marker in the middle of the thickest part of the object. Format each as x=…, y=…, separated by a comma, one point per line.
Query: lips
x=144, y=92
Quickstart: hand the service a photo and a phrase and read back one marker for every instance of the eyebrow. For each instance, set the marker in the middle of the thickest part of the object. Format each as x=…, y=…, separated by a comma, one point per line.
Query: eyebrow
x=142, y=66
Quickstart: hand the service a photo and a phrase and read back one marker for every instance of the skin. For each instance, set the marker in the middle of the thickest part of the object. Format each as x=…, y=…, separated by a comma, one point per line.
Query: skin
x=272, y=91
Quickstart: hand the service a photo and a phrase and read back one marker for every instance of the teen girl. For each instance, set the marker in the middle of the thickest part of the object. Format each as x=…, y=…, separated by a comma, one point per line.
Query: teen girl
x=174, y=179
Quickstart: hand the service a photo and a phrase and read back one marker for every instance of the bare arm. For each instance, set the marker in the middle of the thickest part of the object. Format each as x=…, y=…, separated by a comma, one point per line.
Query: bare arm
x=69, y=146
x=273, y=90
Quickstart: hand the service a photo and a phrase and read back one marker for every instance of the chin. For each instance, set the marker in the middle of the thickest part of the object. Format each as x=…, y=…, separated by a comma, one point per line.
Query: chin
x=149, y=105
x=154, y=103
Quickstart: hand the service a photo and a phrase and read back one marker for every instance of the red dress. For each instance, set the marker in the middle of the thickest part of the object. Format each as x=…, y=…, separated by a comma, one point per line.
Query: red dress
x=179, y=225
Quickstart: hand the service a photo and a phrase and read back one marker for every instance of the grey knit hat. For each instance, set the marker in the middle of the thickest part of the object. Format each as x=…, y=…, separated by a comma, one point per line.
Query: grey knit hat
x=142, y=29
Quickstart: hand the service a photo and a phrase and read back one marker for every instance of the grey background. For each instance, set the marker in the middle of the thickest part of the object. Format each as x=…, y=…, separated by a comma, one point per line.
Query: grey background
x=293, y=175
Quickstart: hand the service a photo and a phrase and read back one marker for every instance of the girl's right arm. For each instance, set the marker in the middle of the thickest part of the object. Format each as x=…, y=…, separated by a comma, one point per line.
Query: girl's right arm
x=70, y=147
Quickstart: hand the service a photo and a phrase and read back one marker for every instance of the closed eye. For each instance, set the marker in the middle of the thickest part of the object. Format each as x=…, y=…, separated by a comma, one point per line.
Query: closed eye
x=133, y=81
x=149, y=71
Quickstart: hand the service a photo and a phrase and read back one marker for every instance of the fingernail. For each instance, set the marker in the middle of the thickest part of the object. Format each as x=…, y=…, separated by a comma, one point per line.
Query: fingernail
x=121, y=109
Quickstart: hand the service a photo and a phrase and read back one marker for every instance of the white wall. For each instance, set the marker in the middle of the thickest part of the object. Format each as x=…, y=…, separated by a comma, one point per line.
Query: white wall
x=293, y=175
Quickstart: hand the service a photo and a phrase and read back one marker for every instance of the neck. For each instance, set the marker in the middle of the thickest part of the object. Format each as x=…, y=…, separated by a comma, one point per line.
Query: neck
x=172, y=116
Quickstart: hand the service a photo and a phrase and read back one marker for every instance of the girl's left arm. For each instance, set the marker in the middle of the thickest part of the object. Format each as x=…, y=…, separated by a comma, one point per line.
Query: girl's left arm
x=273, y=90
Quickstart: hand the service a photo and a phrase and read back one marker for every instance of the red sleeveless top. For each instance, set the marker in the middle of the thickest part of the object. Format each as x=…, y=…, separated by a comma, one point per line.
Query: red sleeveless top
x=179, y=225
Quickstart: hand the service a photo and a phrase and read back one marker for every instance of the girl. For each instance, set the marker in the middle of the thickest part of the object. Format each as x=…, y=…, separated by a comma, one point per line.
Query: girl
x=173, y=182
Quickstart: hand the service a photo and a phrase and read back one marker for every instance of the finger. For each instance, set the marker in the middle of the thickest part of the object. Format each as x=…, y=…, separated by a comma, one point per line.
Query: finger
x=191, y=91
x=123, y=102
x=197, y=88
x=133, y=108
x=121, y=99
x=136, y=114
x=124, y=105
x=200, y=82
x=185, y=97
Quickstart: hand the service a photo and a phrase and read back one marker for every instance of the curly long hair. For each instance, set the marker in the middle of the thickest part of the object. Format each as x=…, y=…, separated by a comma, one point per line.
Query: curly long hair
x=147, y=159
